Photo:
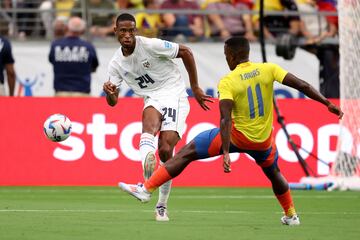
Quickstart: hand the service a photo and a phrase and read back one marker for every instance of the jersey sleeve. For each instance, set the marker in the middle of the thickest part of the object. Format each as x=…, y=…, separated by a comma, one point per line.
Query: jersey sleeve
x=162, y=48
x=278, y=72
x=224, y=90
x=114, y=75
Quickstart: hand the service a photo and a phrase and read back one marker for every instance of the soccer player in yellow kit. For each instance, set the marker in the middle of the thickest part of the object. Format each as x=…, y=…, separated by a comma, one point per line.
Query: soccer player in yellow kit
x=246, y=107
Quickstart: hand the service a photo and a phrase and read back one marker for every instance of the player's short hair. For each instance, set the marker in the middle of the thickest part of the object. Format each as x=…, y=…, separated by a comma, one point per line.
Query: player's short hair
x=238, y=45
x=125, y=17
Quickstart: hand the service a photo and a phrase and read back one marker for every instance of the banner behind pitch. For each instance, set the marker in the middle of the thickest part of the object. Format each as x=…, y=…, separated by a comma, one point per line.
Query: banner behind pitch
x=103, y=148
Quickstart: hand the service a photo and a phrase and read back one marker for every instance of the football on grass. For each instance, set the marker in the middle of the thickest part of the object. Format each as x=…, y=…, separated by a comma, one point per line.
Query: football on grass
x=57, y=127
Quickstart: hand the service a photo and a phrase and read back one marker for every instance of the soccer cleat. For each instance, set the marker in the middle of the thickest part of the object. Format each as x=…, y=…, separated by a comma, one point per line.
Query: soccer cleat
x=161, y=214
x=149, y=165
x=291, y=221
x=138, y=191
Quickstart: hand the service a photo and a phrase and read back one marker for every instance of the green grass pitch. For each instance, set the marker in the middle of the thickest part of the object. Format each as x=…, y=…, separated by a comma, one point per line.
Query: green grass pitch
x=94, y=213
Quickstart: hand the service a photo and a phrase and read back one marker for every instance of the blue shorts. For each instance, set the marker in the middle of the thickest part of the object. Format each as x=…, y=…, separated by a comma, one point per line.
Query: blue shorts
x=208, y=144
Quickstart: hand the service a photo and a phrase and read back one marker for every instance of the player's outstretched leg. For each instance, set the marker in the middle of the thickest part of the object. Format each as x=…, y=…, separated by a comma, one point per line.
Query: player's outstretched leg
x=195, y=149
x=171, y=169
x=143, y=192
x=138, y=191
x=267, y=160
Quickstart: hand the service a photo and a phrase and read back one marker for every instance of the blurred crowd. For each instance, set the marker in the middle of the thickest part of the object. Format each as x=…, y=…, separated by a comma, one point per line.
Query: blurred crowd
x=187, y=20
x=201, y=20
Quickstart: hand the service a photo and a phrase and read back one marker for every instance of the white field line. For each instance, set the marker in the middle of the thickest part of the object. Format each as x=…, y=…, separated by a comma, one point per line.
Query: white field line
x=151, y=211
x=260, y=196
x=103, y=193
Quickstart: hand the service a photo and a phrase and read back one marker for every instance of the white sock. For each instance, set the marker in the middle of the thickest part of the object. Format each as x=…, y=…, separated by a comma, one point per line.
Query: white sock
x=146, y=145
x=164, y=192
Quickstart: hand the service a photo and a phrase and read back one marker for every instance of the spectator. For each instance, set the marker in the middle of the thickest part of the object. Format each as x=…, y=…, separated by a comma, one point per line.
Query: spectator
x=247, y=18
x=126, y=4
x=277, y=25
x=225, y=25
x=7, y=64
x=73, y=60
x=4, y=17
x=182, y=25
x=248, y=3
x=316, y=28
x=148, y=24
x=55, y=28
x=47, y=17
x=63, y=8
x=60, y=27
x=26, y=21
x=102, y=22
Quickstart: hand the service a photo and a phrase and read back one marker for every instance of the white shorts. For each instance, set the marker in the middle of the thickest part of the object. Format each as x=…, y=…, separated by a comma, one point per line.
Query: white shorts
x=174, y=111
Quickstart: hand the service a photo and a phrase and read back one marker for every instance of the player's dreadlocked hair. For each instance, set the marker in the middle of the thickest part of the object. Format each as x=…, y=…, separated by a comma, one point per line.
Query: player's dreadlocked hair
x=238, y=45
x=125, y=17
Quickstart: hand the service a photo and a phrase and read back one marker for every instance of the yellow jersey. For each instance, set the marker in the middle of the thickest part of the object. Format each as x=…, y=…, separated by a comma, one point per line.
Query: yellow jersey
x=250, y=86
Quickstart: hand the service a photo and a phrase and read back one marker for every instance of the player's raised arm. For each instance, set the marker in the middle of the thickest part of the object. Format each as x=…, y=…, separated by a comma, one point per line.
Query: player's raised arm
x=112, y=93
x=187, y=57
x=299, y=84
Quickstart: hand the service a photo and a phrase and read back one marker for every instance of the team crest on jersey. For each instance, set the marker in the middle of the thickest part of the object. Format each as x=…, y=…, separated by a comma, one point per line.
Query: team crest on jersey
x=145, y=63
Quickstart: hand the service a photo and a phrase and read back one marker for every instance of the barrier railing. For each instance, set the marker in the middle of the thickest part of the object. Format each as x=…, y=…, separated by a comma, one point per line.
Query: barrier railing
x=29, y=20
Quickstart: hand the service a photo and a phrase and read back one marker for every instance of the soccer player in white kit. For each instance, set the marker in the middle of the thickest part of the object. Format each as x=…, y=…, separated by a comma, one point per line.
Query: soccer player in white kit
x=145, y=65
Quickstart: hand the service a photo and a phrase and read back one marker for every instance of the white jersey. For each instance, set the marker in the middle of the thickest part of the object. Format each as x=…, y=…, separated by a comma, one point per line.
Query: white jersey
x=149, y=70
